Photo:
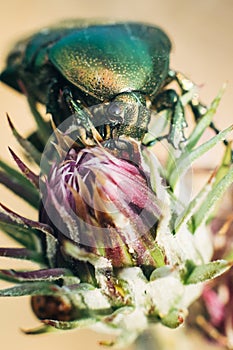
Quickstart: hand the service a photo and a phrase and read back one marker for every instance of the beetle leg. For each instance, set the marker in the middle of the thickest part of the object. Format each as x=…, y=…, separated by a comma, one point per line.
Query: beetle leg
x=197, y=107
x=83, y=119
x=186, y=85
x=169, y=99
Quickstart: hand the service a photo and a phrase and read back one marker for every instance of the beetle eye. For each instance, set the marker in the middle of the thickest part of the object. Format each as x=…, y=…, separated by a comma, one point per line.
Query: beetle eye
x=114, y=110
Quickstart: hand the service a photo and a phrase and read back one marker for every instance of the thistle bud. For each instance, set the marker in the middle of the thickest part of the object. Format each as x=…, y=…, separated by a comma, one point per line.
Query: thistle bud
x=102, y=200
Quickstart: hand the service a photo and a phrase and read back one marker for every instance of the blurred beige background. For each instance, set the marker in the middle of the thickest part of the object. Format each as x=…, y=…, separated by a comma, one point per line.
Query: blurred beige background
x=202, y=35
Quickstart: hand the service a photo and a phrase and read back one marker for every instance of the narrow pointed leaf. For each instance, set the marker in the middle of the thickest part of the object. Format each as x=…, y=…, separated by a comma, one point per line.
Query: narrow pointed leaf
x=97, y=261
x=184, y=162
x=208, y=271
x=18, y=189
x=37, y=275
x=226, y=163
x=27, y=146
x=33, y=178
x=20, y=235
x=204, y=122
x=22, y=253
x=11, y=216
x=211, y=200
x=185, y=216
x=65, y=325
x=44, y=288
x=20, y=185
x=26, y=232
x=44, y=129
x=29, y=288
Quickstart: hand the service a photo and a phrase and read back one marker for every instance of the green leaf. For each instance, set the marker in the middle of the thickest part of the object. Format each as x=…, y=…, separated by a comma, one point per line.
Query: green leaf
x=29, y=288
x=27, y=146
x=19, y=184
x=158, y=255
x=204, y=122
x=28, y=173
x=207, y=271
x=27, y=232
x=187, y=213
x=65, y=325
x=26, y=237
x=44, y=129
x=22, y=253
x=161, y=272
x=81, y=254
x=35, y=275
x=225, y=164
x=210, y=201
x=186, y=159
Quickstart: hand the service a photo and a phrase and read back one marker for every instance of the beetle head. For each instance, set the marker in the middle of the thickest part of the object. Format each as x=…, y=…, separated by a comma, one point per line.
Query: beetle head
x=129, y=111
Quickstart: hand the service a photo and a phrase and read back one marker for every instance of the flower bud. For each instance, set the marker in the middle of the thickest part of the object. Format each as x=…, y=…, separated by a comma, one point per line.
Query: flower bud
x=102, y=200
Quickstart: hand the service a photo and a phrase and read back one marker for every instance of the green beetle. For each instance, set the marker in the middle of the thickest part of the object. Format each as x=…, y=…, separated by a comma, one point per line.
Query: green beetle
x=119, y=67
